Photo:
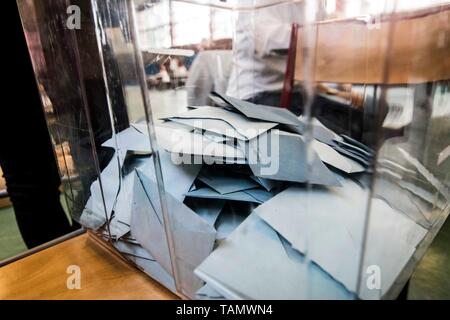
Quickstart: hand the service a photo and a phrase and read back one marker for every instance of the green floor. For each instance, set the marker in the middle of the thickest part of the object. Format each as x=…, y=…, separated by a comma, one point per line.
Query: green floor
x=430, y=281
x=11, y=242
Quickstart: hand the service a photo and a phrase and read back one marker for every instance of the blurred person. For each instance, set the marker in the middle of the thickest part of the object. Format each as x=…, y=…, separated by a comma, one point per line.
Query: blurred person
x=164, y=76
x=259, y=66
x=173, y=65
x=258, y=72
x=209, y=72
x=180, y=71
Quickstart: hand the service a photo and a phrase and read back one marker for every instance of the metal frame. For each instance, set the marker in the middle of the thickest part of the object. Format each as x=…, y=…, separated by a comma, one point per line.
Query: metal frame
x=42, y=247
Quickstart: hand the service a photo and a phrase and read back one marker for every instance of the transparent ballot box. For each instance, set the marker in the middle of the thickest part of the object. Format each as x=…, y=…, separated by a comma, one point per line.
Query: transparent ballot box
x=252, y=149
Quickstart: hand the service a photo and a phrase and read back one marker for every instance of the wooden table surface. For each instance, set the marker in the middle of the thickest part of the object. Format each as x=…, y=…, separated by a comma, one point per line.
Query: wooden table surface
x=104, y=275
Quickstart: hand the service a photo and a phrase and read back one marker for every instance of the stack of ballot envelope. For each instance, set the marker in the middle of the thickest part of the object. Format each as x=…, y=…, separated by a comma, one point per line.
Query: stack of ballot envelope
x=260, y=204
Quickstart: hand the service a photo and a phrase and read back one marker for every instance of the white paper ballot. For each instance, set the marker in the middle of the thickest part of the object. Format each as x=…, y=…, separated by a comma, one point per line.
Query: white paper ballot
x=333, y=158
x=226, y=182
x=213, y=136
x=144, y=260
x=120, y=223
x=252, y=263
x=247, y=128
x=182, y=141
x=177, y=178
x=267, y=183
x=115, y=193
x=207, y=209
x=282, y=156
x=244, y=195
x=261, y=112
x=319, y=131
x=403, y=200
x=193, y=236
x=94, y=214
x=215, y=126
x=228, y=221
x=143, y=127
x=444, y=190
x=328, y=222
x=130, y=139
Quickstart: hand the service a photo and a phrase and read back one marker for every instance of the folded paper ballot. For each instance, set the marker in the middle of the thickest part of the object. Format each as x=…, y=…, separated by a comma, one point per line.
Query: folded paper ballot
x=223, y=122
x=213, y=136
x=261, y=112
x=391, y=161
x=94, y=214
x=180, y=141
x=260, y=194
x=282, y=156
x=177, y=178
x=267, y=184
x=252, y=263
x=104, y=192
x=319, y=131
x=355, y=149
x=130, y=139
x=339, y=249
x=358, y=144
x=232, y=215
x=333, y=158
x=429, y=176
x=120, y=222
x=213, y=126
x=244, y=195
x=423, y=194
x=139, y=256
x=361, y=159
x=343, y=144
x=142, y=127
x=226, y=182
x=208, y=210
x=193, y=236
x=404, y=201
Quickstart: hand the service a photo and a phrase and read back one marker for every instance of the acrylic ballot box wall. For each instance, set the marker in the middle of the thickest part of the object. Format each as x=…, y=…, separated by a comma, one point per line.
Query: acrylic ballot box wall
x=252, y=149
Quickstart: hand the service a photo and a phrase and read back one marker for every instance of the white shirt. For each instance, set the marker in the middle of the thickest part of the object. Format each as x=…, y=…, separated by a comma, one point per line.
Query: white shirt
x=258, y=32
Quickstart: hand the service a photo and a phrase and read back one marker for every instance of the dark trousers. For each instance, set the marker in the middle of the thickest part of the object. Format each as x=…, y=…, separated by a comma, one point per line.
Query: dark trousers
x=31, y=175
x=26, y=155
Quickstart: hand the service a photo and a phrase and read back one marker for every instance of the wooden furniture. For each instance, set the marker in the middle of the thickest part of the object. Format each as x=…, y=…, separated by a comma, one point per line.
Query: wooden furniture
x=104, y=275
x=414, y=45
x=405, y=48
